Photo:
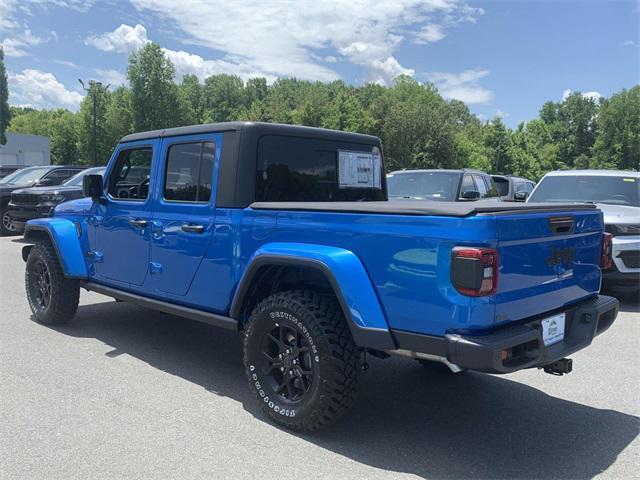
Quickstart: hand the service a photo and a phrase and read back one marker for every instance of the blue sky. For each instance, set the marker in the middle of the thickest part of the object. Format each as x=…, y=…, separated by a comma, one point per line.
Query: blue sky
x=502, y=58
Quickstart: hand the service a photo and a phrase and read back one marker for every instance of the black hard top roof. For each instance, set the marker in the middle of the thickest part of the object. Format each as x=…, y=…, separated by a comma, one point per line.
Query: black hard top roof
x=259, y=128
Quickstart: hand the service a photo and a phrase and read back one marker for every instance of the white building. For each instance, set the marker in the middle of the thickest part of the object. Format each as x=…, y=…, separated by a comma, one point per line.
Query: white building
x=25, y=150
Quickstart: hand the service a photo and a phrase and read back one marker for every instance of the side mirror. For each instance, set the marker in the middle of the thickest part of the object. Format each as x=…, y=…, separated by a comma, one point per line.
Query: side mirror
x=92, y=186
x=520, y=196
x=45, y=182
x=471, y=195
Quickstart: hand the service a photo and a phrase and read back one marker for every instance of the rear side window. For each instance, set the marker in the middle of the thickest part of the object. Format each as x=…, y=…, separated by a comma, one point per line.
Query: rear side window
x=467, y=185
x=481, y=186
x=189, y=172
x=294, y=169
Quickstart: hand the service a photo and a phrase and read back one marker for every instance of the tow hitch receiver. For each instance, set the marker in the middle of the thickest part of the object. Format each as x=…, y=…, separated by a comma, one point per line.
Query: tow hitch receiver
x=560, y=367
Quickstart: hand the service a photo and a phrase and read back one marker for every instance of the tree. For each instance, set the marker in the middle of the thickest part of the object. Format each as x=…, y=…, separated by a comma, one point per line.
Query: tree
x=118, y=117
x=98, y=93
x=223, y=98
x=191, y=97
x=154, y=95
x=5, y=114
x=618, y=141
x=59, y=125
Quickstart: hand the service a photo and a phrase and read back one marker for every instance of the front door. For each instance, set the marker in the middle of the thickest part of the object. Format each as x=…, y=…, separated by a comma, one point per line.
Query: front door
x=184, y=212
x=122, y=219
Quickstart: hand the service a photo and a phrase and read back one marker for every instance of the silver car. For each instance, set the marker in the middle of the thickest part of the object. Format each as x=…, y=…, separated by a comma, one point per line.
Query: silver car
x=617, y=194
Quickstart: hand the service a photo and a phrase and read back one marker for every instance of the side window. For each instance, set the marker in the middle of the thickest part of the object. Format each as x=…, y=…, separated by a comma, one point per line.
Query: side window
x=481, y=186
x=518, y=187
x=129, y=178
x=528, y=187
x=467, y=185
x=189, y=172
x=56, y=177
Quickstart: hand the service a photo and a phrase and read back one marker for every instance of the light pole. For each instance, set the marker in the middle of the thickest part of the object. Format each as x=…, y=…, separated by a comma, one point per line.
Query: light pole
x=93, y=89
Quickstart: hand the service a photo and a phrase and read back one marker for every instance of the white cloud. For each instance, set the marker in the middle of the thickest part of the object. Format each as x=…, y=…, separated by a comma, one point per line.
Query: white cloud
x=124, y=39
x=66, y=63
x=595, y=96
x=15, y=46
x=284, y=39
x=630, y=43
x=502, y=114
x=111, y=77
x=189, y=63
x=463, y=86
x=40, y=90
x=430, y=33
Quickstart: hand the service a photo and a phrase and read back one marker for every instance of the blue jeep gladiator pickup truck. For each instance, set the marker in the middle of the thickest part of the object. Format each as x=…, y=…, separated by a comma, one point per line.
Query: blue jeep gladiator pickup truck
x=285, y=234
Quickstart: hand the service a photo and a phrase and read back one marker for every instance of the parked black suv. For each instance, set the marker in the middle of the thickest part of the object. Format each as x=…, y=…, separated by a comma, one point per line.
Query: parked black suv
x=513, y=189
x=8, y=169
x=440, y=185
x=38, y=202
x=49, y=175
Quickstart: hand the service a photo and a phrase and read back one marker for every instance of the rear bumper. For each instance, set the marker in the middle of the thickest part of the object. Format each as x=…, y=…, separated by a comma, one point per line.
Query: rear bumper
x=483, y=353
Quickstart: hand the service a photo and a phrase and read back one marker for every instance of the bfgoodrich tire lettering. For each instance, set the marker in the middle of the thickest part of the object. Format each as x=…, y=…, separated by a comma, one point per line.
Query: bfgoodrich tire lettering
x=52, y=297
x=300, y=359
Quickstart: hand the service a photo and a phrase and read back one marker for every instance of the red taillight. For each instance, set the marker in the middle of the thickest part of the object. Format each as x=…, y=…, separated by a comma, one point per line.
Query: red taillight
x=474, y=271
x=606, y=260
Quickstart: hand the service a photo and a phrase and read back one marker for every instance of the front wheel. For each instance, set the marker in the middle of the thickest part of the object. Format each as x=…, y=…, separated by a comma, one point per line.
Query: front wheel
x=52, y=297
x=300, y=359
x=7, y=227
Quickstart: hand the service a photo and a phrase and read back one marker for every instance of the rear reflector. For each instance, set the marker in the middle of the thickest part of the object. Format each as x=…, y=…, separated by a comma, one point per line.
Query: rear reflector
x=606, y=260
x=474, y=271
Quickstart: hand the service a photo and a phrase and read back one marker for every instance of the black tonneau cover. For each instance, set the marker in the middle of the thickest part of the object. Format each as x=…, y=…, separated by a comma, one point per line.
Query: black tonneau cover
x=424, y=207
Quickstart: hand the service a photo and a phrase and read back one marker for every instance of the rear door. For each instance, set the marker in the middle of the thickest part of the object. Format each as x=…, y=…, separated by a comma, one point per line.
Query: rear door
x=547, y=261
x=184, y=215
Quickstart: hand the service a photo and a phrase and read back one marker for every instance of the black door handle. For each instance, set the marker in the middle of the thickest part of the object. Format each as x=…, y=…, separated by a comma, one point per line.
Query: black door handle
x=192, y=228
x=138, y=223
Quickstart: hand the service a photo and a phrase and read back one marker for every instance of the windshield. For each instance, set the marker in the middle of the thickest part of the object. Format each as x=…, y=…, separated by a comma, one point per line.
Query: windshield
x=25, y=176
x=441, y=186
x=588, y=188
x=76, y=180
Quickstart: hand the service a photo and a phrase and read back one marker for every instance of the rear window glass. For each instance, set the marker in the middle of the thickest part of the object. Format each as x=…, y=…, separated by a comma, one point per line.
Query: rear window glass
x=502, y=185
x=589, y=188
x=294, y=169
x=440, y=186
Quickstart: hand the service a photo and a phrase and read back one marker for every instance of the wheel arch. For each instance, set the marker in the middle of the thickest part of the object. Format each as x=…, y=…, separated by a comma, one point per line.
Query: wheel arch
x=336, y=269
x=63, y=235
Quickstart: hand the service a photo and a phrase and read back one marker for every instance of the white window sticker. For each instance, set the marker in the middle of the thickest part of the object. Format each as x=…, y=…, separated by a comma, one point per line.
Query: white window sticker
x=359, y=169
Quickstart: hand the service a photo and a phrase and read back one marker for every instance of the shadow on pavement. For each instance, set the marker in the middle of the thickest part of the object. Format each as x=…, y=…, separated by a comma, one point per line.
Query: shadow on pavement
x=408, y=418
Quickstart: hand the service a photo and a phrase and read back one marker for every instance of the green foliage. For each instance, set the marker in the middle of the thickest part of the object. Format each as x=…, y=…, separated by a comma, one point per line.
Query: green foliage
x=618, y=142
x=5, y=114
x=103, y=146
x=154, y=95
x=59, y=125
x=418, y=127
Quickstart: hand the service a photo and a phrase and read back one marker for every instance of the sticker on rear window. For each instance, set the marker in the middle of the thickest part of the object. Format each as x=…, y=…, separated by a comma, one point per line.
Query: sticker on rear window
x=359, y=169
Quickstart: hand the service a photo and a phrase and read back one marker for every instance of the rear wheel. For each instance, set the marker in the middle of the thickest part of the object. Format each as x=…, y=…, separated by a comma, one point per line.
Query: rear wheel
x=300, y=359
x=52, y=297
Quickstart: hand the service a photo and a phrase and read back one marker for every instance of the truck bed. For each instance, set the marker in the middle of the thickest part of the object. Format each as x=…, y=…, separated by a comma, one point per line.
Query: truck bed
x=424, y=207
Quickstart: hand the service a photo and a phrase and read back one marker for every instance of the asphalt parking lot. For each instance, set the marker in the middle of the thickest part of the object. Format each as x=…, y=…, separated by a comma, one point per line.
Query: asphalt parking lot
x=125, y=392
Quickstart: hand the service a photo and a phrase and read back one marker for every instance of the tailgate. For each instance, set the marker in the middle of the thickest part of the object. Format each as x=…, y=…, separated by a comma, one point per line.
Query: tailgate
x=547, y=261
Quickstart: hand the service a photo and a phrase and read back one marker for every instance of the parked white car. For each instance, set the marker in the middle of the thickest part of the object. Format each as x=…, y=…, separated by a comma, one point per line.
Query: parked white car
x=617, y=194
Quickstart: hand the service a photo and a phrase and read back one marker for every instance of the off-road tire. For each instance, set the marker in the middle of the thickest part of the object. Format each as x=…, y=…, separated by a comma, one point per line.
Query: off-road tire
x=335, y=358
x=64, y=292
